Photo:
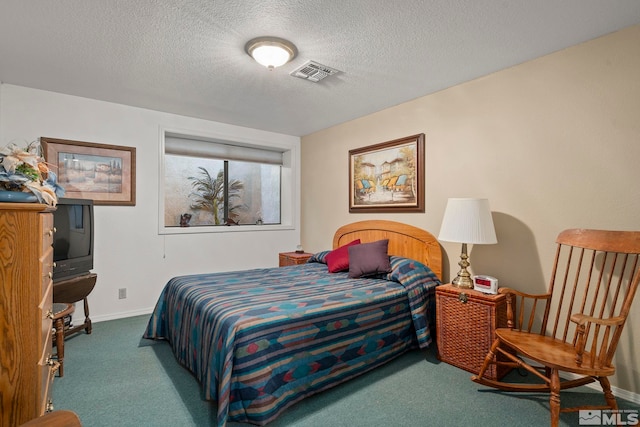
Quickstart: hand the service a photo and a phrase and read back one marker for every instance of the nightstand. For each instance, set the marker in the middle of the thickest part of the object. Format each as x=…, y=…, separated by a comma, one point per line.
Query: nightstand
x=293, y=258
x=466, y=322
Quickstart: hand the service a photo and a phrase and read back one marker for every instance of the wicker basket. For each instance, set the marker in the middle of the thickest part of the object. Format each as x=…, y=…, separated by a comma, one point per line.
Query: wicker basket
x=466, y=323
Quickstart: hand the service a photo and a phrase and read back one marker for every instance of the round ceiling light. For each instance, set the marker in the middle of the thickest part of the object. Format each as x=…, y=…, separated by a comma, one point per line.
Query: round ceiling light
x=271, y=52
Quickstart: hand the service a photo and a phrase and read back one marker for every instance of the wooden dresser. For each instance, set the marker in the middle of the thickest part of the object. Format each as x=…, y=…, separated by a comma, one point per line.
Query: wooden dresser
x=26, y=299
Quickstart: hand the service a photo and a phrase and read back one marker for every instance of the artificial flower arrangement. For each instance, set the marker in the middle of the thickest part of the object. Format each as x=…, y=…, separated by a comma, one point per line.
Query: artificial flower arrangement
x=24, y=170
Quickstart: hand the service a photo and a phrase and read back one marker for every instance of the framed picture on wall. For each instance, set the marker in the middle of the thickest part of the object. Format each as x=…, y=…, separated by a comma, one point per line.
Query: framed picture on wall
x=86, y=170
x=388, y=177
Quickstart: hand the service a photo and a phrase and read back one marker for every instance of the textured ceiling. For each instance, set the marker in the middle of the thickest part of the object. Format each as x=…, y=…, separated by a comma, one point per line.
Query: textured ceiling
x=187, y=57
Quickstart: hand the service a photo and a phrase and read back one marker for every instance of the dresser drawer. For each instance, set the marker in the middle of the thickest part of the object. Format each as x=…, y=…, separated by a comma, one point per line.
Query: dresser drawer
x=47, y=231
x=46, y=313
x=47, y=367
x=46, y=269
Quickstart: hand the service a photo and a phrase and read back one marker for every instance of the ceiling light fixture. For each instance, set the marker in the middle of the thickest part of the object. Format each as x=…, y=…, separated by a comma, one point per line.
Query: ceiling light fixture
x=271, y=52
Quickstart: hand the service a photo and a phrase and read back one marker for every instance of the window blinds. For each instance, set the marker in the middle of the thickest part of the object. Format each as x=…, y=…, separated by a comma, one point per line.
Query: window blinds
x=221, y=150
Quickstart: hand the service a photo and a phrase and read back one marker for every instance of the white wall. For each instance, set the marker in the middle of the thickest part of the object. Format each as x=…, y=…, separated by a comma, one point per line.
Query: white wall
x=129, y=252
x=553, y=143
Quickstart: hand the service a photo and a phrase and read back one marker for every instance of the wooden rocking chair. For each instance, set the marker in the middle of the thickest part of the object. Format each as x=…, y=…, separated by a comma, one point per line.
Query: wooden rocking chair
x=576, y=326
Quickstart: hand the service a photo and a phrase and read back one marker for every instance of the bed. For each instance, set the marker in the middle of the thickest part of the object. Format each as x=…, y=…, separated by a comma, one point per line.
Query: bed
x=260, y=340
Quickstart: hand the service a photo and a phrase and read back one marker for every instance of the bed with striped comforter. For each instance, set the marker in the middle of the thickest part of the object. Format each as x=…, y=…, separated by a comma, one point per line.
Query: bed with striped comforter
x=261, y=340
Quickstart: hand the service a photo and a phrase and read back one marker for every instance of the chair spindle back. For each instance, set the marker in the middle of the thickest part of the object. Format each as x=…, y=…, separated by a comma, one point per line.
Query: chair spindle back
x=595, y=274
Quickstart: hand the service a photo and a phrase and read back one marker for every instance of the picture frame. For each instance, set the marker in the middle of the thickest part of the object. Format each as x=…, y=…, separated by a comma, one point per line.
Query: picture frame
x=102, y=172
x=388, y=177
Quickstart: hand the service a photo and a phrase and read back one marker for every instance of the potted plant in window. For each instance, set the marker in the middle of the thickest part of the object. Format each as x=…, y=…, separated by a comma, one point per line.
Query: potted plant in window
x=209, y=195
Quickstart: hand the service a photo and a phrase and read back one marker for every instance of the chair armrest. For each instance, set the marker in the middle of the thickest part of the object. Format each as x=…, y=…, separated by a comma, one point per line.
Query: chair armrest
x=518, y=323
x=584, y=323
x=523, y=294
x=583, y=319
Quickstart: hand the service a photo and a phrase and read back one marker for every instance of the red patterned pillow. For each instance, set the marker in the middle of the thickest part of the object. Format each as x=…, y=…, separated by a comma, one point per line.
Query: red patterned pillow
x=338, y=259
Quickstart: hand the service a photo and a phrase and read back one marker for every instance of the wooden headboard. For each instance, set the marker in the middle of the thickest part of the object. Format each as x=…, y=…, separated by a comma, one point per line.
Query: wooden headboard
x=404, y=240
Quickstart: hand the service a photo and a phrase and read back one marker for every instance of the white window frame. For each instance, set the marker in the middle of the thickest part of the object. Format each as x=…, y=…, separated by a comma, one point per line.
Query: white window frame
x=288, y=181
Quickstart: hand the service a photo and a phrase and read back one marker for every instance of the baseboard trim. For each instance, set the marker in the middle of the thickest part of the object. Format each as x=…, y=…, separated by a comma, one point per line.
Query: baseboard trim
x=121, y=315
x=617, y=392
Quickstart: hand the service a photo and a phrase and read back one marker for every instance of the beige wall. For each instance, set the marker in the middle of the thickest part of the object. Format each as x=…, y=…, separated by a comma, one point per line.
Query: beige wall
x=553, y=143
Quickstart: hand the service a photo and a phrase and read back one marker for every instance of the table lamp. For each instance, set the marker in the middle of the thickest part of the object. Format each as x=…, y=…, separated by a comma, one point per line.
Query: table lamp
x=467, y=221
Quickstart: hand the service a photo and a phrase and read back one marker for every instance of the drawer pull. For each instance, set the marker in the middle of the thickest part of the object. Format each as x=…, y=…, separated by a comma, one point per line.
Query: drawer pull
x=50, y=275
x=462, y=297
x=49, y=407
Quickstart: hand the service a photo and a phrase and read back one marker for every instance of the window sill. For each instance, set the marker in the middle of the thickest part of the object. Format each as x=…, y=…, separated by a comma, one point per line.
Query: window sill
x=224, y=229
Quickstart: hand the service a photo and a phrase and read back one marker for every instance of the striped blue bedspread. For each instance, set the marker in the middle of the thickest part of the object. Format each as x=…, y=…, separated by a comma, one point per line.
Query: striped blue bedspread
x=260, y=340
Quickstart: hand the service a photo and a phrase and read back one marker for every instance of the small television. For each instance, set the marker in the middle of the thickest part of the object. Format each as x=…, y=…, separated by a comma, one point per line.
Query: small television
x=73, y=238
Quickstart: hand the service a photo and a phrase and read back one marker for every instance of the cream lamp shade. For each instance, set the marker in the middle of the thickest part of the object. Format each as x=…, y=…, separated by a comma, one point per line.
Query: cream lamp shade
x=465, y=221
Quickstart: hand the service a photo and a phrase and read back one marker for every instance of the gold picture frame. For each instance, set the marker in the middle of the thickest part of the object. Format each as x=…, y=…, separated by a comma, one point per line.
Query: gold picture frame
x=388, y=177
x=86, y=170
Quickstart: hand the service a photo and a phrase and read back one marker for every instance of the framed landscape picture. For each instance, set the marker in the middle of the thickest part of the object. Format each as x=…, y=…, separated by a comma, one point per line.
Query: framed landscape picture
x=388, y=177
x=86, y=170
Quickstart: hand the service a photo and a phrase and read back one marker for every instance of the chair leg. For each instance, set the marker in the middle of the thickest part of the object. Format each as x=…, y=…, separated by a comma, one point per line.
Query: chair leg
x=60, y=345
x=554, y=399
x=608, y=394
x=87, y=320
x=488, y=358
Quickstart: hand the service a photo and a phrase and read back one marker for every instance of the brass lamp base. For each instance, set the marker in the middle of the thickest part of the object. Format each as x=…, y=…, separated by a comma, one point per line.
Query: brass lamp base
x=463, y=279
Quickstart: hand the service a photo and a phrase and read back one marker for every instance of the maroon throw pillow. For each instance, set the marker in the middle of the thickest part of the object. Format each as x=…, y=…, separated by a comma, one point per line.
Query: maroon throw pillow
x=367, y=259
x=338, y=259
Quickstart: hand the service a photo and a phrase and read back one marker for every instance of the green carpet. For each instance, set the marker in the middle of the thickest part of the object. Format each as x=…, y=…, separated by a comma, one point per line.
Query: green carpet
x=113, y=377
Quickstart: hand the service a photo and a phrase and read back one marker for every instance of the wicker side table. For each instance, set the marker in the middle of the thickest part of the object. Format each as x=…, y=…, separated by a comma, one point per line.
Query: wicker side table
x=466, y=322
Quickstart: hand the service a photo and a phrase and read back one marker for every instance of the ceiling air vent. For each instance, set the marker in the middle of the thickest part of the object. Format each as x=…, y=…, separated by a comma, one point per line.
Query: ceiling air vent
x=313, y=71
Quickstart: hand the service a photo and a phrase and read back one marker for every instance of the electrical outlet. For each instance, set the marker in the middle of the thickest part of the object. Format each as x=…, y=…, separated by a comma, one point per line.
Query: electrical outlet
x=122, y=293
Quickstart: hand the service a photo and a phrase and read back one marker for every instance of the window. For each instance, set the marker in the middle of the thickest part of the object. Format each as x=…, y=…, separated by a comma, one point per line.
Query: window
x=210, y=184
